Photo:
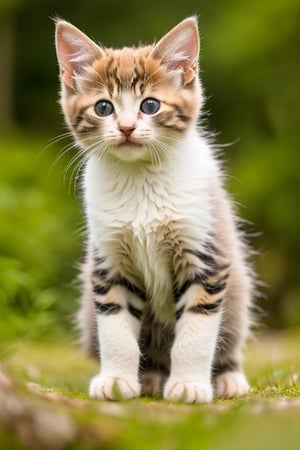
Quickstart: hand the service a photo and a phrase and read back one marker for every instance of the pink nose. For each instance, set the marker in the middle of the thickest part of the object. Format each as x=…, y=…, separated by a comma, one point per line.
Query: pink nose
x=127, y=131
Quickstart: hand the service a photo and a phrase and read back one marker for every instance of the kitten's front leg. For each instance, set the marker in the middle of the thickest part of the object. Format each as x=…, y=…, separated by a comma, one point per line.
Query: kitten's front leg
x=118, y=330
x=194, y=346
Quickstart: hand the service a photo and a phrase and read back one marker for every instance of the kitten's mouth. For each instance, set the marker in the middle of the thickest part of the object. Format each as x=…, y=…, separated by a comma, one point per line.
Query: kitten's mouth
x=129, y=143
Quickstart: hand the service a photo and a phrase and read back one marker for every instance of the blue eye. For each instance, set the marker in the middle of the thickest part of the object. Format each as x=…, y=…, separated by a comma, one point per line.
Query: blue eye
x=104, y=108
x=150, y=106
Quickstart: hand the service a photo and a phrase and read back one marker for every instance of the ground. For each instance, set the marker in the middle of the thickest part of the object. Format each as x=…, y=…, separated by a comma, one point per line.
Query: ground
x=44, y=404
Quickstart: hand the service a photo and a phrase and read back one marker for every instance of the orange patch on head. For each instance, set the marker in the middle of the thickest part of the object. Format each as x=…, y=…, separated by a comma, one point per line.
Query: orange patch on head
x=126, y=64
x=129, y=65
x=100, y=66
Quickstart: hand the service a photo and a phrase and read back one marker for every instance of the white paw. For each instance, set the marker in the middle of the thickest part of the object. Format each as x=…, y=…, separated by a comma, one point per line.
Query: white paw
x=110, y=388
x=231, y=384
x=190, y=392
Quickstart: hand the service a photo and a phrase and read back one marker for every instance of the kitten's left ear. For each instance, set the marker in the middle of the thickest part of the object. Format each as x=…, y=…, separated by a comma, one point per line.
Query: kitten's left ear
x=75, y=51
x=179, y=49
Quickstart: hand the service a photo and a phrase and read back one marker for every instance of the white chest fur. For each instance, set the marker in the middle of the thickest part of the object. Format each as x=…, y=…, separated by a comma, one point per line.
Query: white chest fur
x=135, y=210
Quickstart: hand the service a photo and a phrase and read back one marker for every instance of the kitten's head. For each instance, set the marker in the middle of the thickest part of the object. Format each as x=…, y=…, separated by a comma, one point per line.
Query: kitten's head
x=130, y=103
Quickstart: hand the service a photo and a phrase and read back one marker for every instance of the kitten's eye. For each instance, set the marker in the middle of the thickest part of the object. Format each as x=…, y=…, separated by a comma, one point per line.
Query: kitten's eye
x=150, y=106
x=104, y=108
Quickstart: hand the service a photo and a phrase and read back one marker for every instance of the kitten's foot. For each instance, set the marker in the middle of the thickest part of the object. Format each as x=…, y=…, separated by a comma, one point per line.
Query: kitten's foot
x=231, y=384
x=109, y=388
x=190, y=392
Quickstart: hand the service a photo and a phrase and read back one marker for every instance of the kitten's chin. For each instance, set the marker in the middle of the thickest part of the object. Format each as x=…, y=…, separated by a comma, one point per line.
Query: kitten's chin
x=130, y=151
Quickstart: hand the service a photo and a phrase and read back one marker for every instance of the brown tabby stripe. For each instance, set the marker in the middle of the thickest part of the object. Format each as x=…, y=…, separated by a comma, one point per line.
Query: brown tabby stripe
x=131, y=287
x=103, y=289
x=113, y=308
x=101, y=273
x=107, y=308
x=213, y=267
x=210, y=261
x=184, y=118
x=211, y=289
x=217, y=287
x=206, y=308
x=109, y=66
x=92, y=124
x=137, y=313
x=84, y=130
x=179, y=313
x=162, y=120
x=180, y=291
x=211, y=248
x=116, y=79
x=140, y=86
x=174, y=128
x=99, y=259
x=80, y=117
x=179, y=112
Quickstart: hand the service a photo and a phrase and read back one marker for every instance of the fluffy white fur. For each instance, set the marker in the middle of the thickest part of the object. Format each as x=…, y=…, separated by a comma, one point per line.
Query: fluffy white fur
x=129, y=204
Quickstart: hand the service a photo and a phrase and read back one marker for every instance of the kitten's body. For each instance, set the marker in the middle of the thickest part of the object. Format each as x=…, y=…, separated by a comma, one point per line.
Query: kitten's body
x=166, y=267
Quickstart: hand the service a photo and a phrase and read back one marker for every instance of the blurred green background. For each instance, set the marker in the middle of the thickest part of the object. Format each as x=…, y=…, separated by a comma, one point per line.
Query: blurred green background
x=250, y=68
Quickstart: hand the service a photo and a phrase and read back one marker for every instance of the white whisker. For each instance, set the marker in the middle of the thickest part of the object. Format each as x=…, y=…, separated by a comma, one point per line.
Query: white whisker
x=73, y=160
x=75, y=175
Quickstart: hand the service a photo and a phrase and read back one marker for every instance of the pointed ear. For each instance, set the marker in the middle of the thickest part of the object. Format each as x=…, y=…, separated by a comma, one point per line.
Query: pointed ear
x=179, y=49
x=74, y=51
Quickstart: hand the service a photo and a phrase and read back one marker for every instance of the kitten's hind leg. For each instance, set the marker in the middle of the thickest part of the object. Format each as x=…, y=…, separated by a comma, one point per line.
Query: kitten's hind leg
x=86, y=320
x=231, y=384
x=229, y=378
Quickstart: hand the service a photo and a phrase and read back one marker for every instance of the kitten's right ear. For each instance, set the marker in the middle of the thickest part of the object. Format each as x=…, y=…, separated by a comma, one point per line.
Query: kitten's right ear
x=179, y=49
x=75, y=51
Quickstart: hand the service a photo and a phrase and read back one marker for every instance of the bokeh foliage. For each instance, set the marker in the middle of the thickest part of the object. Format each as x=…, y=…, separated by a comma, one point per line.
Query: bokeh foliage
x=250, y=68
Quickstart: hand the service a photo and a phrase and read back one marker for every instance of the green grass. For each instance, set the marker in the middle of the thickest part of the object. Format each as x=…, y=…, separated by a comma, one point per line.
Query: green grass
x=268, y=417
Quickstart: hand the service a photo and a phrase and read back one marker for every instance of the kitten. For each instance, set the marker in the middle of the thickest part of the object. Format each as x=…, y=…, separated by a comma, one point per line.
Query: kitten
x=166, y=277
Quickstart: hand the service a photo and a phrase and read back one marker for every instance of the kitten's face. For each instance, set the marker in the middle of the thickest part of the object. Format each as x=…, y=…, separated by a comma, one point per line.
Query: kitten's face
x=130, y=104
